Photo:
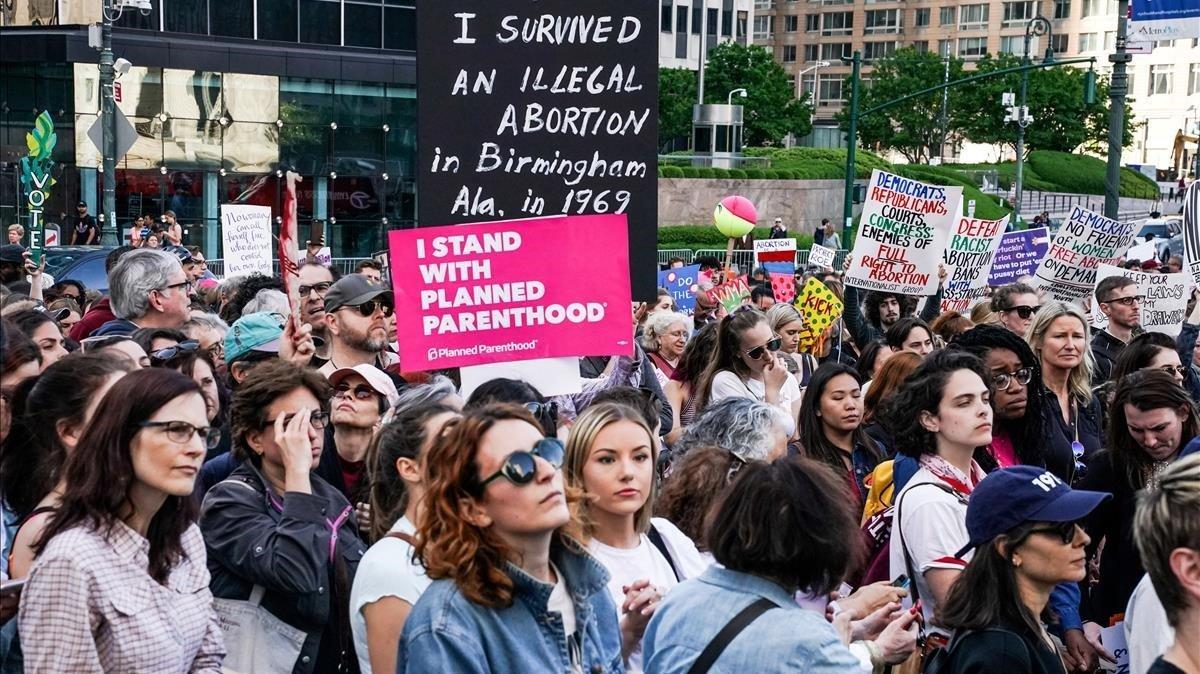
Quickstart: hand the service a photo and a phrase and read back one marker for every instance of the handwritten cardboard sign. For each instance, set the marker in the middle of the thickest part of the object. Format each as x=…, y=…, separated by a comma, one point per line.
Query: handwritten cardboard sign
x=968, y=260
x=246, y=239
x=731, y=294
x=1018, y=255
x=1085, y=241
x=682, y=284
x=901, y=234
x=1166, y=301
x=509, y=291
x=820, y=256
x=820, y=308
x=536, y=109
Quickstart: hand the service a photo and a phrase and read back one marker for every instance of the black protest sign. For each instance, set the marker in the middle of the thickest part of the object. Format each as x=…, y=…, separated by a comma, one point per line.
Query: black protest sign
x=533, y=108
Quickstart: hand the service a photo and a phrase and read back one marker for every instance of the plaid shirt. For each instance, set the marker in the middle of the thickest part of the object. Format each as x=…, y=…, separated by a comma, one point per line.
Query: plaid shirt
x=91, y=606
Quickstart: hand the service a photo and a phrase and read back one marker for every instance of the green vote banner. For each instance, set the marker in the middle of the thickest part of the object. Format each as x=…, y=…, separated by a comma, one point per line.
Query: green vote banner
x=36, y=180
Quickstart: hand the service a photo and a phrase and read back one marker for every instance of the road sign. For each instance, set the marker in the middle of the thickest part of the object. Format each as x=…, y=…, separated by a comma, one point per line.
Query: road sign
x=126, y=134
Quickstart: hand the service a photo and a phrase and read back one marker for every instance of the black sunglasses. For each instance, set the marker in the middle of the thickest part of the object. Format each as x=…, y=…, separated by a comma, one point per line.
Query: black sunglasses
x=758, y=351
x=361, y=392
x=521, y=466
x=181, y=432
x=1064, y=530
x=368, y=308
x=1024, y=311
x=186, y=346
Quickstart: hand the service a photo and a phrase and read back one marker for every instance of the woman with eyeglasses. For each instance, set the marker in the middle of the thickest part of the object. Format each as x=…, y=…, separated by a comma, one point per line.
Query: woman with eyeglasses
x=275, y=525
x=120, y=583
x=610, y=457
x=1022, y=525
x=511, y=587
x=787, y=323
x=1155, y=351
x=745, y=365
x=664, y=337
x=198, y=364
x=1059, y=335
x=1150, y=420
x=831, y=427
x=516, y=392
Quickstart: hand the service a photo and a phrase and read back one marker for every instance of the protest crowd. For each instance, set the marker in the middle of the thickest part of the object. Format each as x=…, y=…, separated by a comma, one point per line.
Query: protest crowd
x=202, y=475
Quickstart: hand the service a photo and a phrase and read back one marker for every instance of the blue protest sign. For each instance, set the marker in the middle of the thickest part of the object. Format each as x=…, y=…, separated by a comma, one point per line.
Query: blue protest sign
x=1018, y=255
x=680, y=283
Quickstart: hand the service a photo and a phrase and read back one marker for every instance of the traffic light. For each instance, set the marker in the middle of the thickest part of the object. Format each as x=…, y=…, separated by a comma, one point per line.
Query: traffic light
x=1089, y=87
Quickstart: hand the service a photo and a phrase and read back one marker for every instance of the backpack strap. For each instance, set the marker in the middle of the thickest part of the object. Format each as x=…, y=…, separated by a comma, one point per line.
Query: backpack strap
x=728, y=633
x=897, y=524
x=657, y=540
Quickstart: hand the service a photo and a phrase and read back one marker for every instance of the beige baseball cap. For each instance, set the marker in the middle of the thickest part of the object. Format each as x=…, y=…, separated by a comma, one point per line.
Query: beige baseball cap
x=376, y=379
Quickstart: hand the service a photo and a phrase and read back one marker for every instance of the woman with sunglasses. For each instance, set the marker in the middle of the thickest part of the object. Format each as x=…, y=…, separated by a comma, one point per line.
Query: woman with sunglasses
x=1155, y=351
x=120, y=583
x=1022, y=527
x=157, y=339
x=1059, y=335
x=361, y=396
x=745, y=365
x=275, y=525
x=1150, y=420
x=610, y=457
x=511, y=588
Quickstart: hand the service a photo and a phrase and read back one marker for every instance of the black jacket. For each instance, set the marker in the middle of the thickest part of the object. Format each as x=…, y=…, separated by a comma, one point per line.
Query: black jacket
x=1105, y=349
x=1120, y=566
x=1089, y=423
x=252, y=542
x=1000, y=650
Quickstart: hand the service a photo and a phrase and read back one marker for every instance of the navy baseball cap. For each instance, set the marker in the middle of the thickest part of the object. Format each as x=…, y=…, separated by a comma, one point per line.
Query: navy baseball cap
x=1013, y=496
x=182, y=254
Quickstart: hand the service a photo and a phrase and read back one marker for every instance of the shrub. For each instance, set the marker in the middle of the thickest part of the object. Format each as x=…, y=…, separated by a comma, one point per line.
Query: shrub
x=690, y=171
x=737, y=174
x=671, y=172
x=755, y=174
x=706, y=172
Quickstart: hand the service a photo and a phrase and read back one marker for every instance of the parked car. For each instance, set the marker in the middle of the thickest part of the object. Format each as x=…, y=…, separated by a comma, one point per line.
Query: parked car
x=79, y=263
x=1172, y=244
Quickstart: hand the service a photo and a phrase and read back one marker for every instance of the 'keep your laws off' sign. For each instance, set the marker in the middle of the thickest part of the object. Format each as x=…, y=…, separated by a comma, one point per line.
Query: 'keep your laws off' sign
x=541, y=108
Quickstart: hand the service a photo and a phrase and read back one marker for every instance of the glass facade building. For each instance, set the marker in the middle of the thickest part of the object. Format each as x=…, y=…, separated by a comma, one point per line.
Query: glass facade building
x=224, y=97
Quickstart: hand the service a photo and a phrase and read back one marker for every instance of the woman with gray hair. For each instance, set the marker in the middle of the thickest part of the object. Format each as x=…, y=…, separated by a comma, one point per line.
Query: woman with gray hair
x=749, y=429
x=664, y=336
x=438, y=390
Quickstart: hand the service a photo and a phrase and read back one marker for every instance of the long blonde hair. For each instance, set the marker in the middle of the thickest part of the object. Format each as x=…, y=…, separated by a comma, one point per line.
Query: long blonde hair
x=1079, y=382
x=579, y=446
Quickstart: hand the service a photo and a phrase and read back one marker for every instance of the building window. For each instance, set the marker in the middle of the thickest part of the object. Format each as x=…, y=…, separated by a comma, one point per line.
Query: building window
x=1011, y=44
x=234, y=18
x=829, y=90
x=1099, y=7
x=399, y=25
x=743, y=22
x=1110, y=40
x=837, y=23
x=921, y=17
x=878, y=50
x=835, y=51
x=1062, y=9
x=1194, y=79
x=789, y=53
x=320, y=22
x=364, y=24
x=944, y=47
x=697, y=7
x=665, y=15
x=812, y=52
x=812, y=23
x=191, y=16
x=921, y=46
x=972, y=47
x=791, y=23
x=882, y=21
x=1161, y=79
x=1059, y=43
x=973, y=17
x=1089, y=42
x=946, y=16
x=681, y=34
x=764, y=27
x=1017, y=13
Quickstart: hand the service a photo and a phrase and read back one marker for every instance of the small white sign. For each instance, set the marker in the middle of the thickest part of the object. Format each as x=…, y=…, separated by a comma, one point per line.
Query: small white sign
x=550, y=376
x=820, y=256
x=246, y=239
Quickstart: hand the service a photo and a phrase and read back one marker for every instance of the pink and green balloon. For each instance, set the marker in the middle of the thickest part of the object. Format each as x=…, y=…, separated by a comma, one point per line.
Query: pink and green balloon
x=735, y=217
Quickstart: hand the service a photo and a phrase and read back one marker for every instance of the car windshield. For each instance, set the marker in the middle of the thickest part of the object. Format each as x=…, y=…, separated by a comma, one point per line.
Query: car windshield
x=1157, y=229
x=58, y=259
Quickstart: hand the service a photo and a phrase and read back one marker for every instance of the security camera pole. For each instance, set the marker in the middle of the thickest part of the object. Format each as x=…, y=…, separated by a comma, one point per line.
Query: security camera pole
x=108, y=214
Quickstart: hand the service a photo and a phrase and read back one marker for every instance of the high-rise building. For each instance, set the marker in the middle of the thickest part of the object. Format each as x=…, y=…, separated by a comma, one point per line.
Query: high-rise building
x=681, y=23
x=807, y=35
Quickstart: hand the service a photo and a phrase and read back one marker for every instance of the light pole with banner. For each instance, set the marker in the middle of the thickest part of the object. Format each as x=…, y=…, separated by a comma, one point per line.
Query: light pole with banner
x=111, y=11
x=1037, y=26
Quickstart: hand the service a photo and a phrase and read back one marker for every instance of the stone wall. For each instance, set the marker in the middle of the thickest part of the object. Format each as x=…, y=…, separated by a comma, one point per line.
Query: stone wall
x=801, y=203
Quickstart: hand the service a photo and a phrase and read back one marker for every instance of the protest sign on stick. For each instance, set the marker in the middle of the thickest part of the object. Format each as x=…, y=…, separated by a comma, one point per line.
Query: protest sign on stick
x=289, y=245
x=246, y=239
x=901, y=234
x=510, y=291
x=778, y=257
x=820, y=256
x=731, y=294
x=1085, y=241
x=968, y=260
x=820, y=308
x=681, y=282
x=1018, y=255
x=1165, y=305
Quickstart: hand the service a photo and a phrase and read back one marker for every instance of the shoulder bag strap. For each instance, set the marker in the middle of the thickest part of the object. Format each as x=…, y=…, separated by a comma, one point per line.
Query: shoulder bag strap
x=897, y=524
x=728, y=633
x=657, y=539
x=402, y=536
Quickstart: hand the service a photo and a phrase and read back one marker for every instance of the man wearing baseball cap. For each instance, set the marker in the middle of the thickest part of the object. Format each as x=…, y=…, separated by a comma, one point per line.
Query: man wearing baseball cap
x=84, y=231
x=356, y=313
x=12, y=268
x=1025, y=542
x=361, y=396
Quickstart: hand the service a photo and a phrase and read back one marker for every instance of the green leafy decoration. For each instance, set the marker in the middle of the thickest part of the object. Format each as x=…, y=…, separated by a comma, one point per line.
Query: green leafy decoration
x=42, y=139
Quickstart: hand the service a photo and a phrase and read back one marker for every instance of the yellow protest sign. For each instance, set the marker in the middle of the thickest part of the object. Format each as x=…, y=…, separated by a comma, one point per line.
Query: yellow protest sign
x=820, y=308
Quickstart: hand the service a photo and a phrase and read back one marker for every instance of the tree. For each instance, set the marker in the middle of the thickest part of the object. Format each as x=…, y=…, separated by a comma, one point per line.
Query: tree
x=913, y=128
x=676, y=95
x=1062, y=121
x=771, y=108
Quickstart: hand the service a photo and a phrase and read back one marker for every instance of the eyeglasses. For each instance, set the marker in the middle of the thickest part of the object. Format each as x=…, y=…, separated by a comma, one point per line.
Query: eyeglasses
x=163, y=355
x=321, y=288
x=1180, y=370
x=520, y=467
x=681, y=334
x=1064, y=530
x=181, y=284
x=1125, y=301
x=368, y=308
x=318, y=420
x=1005, y=379
x=757, y=352
x=182, y=431
x=361, y=392
x=1024, y=311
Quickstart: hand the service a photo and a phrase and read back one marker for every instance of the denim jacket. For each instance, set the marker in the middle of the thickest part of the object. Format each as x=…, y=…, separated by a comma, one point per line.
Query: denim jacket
x=446, y=632
x=786, y=638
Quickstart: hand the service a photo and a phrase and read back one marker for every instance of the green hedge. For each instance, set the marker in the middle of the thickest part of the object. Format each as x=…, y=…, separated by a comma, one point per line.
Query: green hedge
x=671, y=172
x=1049, y=171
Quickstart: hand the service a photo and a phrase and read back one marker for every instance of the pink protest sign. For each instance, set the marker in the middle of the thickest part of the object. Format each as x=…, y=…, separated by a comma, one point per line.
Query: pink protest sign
x=507, y=291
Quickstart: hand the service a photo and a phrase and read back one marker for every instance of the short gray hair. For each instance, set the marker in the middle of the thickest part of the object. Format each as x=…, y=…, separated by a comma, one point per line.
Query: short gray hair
x=206, y=322
x=437, y=389
x=657, y=324
x=268, y=300
x=136, y=274
x=229, y=287
x=740, y=425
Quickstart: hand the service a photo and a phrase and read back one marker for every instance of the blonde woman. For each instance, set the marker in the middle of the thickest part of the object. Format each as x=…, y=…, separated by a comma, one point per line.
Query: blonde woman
x=786, y=322
x=610, y=457
x=1059, y=336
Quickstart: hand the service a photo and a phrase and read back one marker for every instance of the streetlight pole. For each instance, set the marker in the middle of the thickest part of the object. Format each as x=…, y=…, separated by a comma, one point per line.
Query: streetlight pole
x=108, y=116
x=729, y=98
x=1038, y=25
x=851, y=143
x=1117, y=90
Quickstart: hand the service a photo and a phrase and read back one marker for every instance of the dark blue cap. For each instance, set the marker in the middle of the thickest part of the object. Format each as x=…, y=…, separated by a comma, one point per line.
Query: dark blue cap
x=1013, y=496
